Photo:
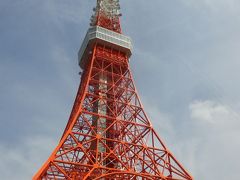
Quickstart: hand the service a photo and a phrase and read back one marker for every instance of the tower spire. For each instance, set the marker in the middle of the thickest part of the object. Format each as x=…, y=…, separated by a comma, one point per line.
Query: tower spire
x=108, y=135
x=107, y=14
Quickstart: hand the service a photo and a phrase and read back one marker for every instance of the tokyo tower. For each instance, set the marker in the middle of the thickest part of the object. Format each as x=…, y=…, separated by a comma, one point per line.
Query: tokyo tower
x=108, y=135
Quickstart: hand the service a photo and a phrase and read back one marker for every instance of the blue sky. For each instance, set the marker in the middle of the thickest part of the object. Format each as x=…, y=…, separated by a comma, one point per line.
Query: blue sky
x=185, y=65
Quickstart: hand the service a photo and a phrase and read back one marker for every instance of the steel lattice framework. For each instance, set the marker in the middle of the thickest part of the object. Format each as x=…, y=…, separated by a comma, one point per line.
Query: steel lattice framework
x=108, y=135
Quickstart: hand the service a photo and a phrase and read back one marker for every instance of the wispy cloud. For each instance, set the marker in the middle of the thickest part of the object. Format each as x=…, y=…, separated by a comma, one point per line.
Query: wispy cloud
x=24, y=158
x=230, y=6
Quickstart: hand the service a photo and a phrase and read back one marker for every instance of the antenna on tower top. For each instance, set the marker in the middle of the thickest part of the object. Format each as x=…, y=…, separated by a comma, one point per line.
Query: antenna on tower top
x=107, y=14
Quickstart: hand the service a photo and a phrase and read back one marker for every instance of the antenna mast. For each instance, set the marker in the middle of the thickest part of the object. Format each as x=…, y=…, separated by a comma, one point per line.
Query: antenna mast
x=107, y=14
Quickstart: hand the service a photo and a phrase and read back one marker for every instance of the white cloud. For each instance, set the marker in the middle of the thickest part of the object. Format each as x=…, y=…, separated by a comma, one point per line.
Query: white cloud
x=212, y=112
x=215, y=140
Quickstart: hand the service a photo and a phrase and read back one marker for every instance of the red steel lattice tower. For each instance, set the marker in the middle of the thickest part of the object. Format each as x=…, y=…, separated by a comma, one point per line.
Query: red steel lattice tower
x=108, y=135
